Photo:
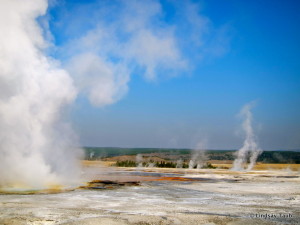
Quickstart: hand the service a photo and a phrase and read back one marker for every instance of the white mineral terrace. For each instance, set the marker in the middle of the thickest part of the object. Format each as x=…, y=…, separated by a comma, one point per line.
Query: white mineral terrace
x=165, y=196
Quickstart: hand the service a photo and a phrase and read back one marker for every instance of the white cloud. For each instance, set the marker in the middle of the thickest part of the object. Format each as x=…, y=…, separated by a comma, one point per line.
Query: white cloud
x=153, y=52
x=134, y=36
x=134, y=39
x=103, y=82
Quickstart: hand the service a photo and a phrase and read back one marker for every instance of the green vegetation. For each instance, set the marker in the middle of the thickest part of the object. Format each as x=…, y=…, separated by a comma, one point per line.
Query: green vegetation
x=279, y=157
x=209, y=166
x=162, y=164
x=126, y=163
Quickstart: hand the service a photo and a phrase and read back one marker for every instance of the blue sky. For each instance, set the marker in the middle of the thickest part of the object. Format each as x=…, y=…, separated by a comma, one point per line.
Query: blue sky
x=178, y=72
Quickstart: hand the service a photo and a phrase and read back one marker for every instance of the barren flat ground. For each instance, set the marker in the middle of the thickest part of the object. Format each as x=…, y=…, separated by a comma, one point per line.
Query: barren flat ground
x=165, y=196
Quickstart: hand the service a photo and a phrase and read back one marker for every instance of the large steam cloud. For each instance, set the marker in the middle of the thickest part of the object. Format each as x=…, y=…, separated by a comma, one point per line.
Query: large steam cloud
x=34, y=142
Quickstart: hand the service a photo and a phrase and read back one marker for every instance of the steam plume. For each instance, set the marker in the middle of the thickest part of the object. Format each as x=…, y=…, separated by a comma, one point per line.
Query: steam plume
x=34, y=141
x=179, y=163
x=250, y=146
x=198, y=156
x=139, y=160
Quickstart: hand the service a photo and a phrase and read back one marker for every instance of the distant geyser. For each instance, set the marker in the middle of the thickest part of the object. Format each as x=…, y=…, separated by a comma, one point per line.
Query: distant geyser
x=250, y=147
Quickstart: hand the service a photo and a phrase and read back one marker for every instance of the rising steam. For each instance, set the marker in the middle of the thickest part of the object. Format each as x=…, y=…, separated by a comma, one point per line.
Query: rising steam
x=250, y=147
x=199, y=157
x=139, y=160
x=34, y=141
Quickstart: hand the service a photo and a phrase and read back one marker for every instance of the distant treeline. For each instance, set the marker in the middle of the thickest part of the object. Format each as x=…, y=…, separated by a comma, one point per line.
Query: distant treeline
x=111, y=151
x=95, y=153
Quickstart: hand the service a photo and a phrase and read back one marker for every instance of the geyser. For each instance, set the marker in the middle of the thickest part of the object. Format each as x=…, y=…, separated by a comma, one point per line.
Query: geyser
x=198, y=156
x=139, y=160
x=250, y=147
x=35, y=143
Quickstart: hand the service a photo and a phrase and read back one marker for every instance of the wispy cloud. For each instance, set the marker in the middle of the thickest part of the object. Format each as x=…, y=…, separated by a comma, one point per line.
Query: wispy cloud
x=122, y=38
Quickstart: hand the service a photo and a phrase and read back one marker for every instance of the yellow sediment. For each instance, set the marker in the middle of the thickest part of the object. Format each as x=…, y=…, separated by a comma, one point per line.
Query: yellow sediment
x=96, y=163
x=25, y=189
